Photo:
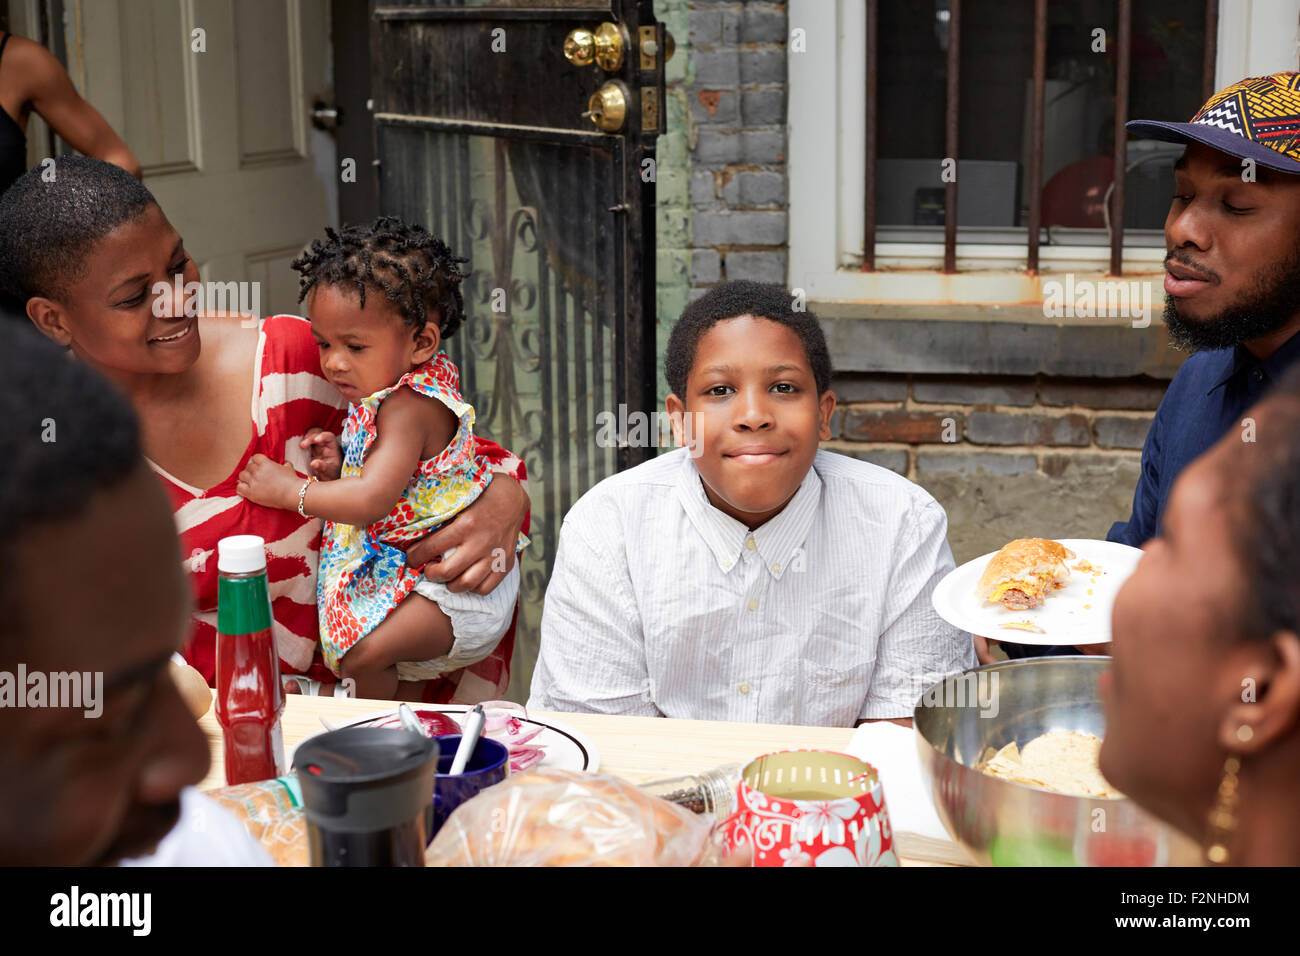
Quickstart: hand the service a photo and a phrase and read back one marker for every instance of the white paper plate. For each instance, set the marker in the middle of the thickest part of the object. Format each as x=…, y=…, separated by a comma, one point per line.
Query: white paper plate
x=1079, y=613
x=566, y=748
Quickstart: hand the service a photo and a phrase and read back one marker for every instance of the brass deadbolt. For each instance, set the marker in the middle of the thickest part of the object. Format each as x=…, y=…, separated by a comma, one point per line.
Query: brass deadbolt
x=607, y=108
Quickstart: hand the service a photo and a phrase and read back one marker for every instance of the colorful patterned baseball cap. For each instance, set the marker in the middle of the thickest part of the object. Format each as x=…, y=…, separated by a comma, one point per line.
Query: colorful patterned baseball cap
x=1257, y=118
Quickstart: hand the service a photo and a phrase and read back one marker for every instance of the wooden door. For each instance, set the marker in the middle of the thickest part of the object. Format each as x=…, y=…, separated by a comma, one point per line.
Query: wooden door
x=484, y=135
x=220, y=119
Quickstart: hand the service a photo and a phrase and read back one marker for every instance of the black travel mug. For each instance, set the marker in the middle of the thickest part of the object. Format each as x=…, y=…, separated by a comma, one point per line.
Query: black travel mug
x=368, y=795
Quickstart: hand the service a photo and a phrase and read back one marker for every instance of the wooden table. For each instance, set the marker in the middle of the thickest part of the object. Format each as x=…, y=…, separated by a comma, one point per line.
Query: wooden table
x=638, y=749
x=635, y=748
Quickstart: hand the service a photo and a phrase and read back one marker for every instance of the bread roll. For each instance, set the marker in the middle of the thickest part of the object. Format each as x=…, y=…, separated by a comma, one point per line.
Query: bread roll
x=193, y=688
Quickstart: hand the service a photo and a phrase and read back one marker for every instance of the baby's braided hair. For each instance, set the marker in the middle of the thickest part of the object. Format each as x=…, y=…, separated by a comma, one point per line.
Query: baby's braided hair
x=411, y=267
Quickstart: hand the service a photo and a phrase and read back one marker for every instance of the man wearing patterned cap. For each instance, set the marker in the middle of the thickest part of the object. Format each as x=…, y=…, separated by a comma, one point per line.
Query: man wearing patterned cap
x=1232, y=284
x=1232, y=278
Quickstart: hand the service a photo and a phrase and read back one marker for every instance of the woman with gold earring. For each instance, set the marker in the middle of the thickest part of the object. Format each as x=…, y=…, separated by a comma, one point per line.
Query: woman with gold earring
x=1203, y=698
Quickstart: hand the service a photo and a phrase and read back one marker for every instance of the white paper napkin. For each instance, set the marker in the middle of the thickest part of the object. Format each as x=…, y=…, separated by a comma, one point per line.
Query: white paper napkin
x=891, y=749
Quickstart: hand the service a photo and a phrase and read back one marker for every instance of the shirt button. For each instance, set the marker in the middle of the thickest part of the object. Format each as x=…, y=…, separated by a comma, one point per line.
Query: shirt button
x=744, y=688
x=776, y=569
x=749, y=543
x=753, y=604
x=1257, y=374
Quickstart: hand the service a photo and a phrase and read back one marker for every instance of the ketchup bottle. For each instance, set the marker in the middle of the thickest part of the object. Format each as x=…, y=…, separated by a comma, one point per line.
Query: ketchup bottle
x=249, y=696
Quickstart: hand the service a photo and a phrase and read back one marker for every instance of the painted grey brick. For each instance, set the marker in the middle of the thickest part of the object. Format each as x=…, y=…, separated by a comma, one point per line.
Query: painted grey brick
x=762, y=189
x=706, y=266
x=975, y=391
x=869, y=388
x=706, y=27
x=757, y=266
x=763, y=107
x=717, y=69
x=1000, y=428
x=718, y=149
x=763, y=23
x=971, y=463
x=763, y=147
x=738, y=228
x=764, y=65
x=702, y=188
x=1116, y=431
x=731, y=189
x=731, y=25
x=1138, y=395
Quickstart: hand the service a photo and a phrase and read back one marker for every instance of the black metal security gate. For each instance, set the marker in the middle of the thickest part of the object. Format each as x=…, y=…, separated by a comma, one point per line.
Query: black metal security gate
x=523, y=133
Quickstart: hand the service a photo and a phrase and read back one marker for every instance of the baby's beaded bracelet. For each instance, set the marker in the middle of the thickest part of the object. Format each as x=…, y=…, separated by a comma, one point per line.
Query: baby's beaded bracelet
x=302, y=494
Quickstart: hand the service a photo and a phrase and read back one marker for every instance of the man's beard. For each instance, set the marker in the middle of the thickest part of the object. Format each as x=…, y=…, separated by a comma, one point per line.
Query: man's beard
x=1265, y=308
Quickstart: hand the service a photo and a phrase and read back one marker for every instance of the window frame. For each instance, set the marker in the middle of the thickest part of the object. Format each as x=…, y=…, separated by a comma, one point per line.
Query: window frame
x=826, y=132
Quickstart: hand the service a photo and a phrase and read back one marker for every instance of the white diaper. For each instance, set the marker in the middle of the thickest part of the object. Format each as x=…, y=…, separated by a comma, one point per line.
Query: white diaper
x=478, y=622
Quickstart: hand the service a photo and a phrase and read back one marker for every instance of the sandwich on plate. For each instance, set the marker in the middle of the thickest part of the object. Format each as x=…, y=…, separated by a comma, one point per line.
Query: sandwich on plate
x=1024, y=572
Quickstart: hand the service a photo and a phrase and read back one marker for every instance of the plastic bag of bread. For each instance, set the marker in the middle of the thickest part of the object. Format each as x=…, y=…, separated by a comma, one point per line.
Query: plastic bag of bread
x=568, y=818
x=271, y=810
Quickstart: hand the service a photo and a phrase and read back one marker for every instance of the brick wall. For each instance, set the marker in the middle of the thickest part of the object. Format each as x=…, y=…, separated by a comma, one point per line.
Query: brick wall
x=737, y=142
x=1006, y=456
x=672, y=195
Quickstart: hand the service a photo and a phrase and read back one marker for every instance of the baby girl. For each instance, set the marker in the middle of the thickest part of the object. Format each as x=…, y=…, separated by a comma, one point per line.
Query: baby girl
x=381, y=299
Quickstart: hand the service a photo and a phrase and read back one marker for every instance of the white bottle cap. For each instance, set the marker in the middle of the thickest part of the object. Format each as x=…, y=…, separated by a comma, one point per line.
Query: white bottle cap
x=241, y=553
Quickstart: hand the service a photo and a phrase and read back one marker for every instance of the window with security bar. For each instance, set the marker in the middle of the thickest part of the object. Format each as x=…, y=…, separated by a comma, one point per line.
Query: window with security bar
x=1029, y=99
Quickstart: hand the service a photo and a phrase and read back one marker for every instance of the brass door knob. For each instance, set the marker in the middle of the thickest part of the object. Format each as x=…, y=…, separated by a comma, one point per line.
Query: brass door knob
x=604, y=47
x=580, y=47
x=607, y=108
x=609, y=47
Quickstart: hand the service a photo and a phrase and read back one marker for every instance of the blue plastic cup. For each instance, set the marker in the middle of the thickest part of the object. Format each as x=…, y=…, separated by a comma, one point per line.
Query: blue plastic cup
x=488, y=764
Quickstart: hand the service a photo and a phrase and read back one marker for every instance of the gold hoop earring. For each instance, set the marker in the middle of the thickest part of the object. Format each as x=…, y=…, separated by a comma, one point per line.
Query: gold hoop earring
x=1223, y=818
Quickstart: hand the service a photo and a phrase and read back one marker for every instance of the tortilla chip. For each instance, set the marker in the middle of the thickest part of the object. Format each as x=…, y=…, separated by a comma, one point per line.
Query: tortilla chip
x=1064, y=761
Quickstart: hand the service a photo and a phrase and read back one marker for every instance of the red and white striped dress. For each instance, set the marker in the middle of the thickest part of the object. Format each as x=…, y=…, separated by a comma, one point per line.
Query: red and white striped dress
x=291, y=396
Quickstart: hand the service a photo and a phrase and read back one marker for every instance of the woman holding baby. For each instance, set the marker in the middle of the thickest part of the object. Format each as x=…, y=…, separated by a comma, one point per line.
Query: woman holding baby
x=81, y=256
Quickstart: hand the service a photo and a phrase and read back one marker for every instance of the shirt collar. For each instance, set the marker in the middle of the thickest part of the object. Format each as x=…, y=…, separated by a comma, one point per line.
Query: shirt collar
x=1277, y=363
x=777, y=541
x=1233, y=364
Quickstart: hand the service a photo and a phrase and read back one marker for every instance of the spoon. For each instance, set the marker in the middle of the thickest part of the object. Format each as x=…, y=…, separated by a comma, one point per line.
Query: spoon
x=410, y=721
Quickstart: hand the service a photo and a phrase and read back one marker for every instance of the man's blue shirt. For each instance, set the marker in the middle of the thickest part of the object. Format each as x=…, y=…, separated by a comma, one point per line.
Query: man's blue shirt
x=1208, y=397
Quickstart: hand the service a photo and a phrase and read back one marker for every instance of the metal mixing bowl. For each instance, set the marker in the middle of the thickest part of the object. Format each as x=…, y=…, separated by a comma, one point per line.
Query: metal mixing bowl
x=967, y=717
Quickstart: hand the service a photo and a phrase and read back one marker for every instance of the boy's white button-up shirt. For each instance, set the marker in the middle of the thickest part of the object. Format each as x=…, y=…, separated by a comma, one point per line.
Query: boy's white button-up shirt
x=660, y=604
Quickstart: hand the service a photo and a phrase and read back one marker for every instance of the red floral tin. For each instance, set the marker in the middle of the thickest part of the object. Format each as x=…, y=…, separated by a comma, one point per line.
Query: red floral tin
x=811, y=808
